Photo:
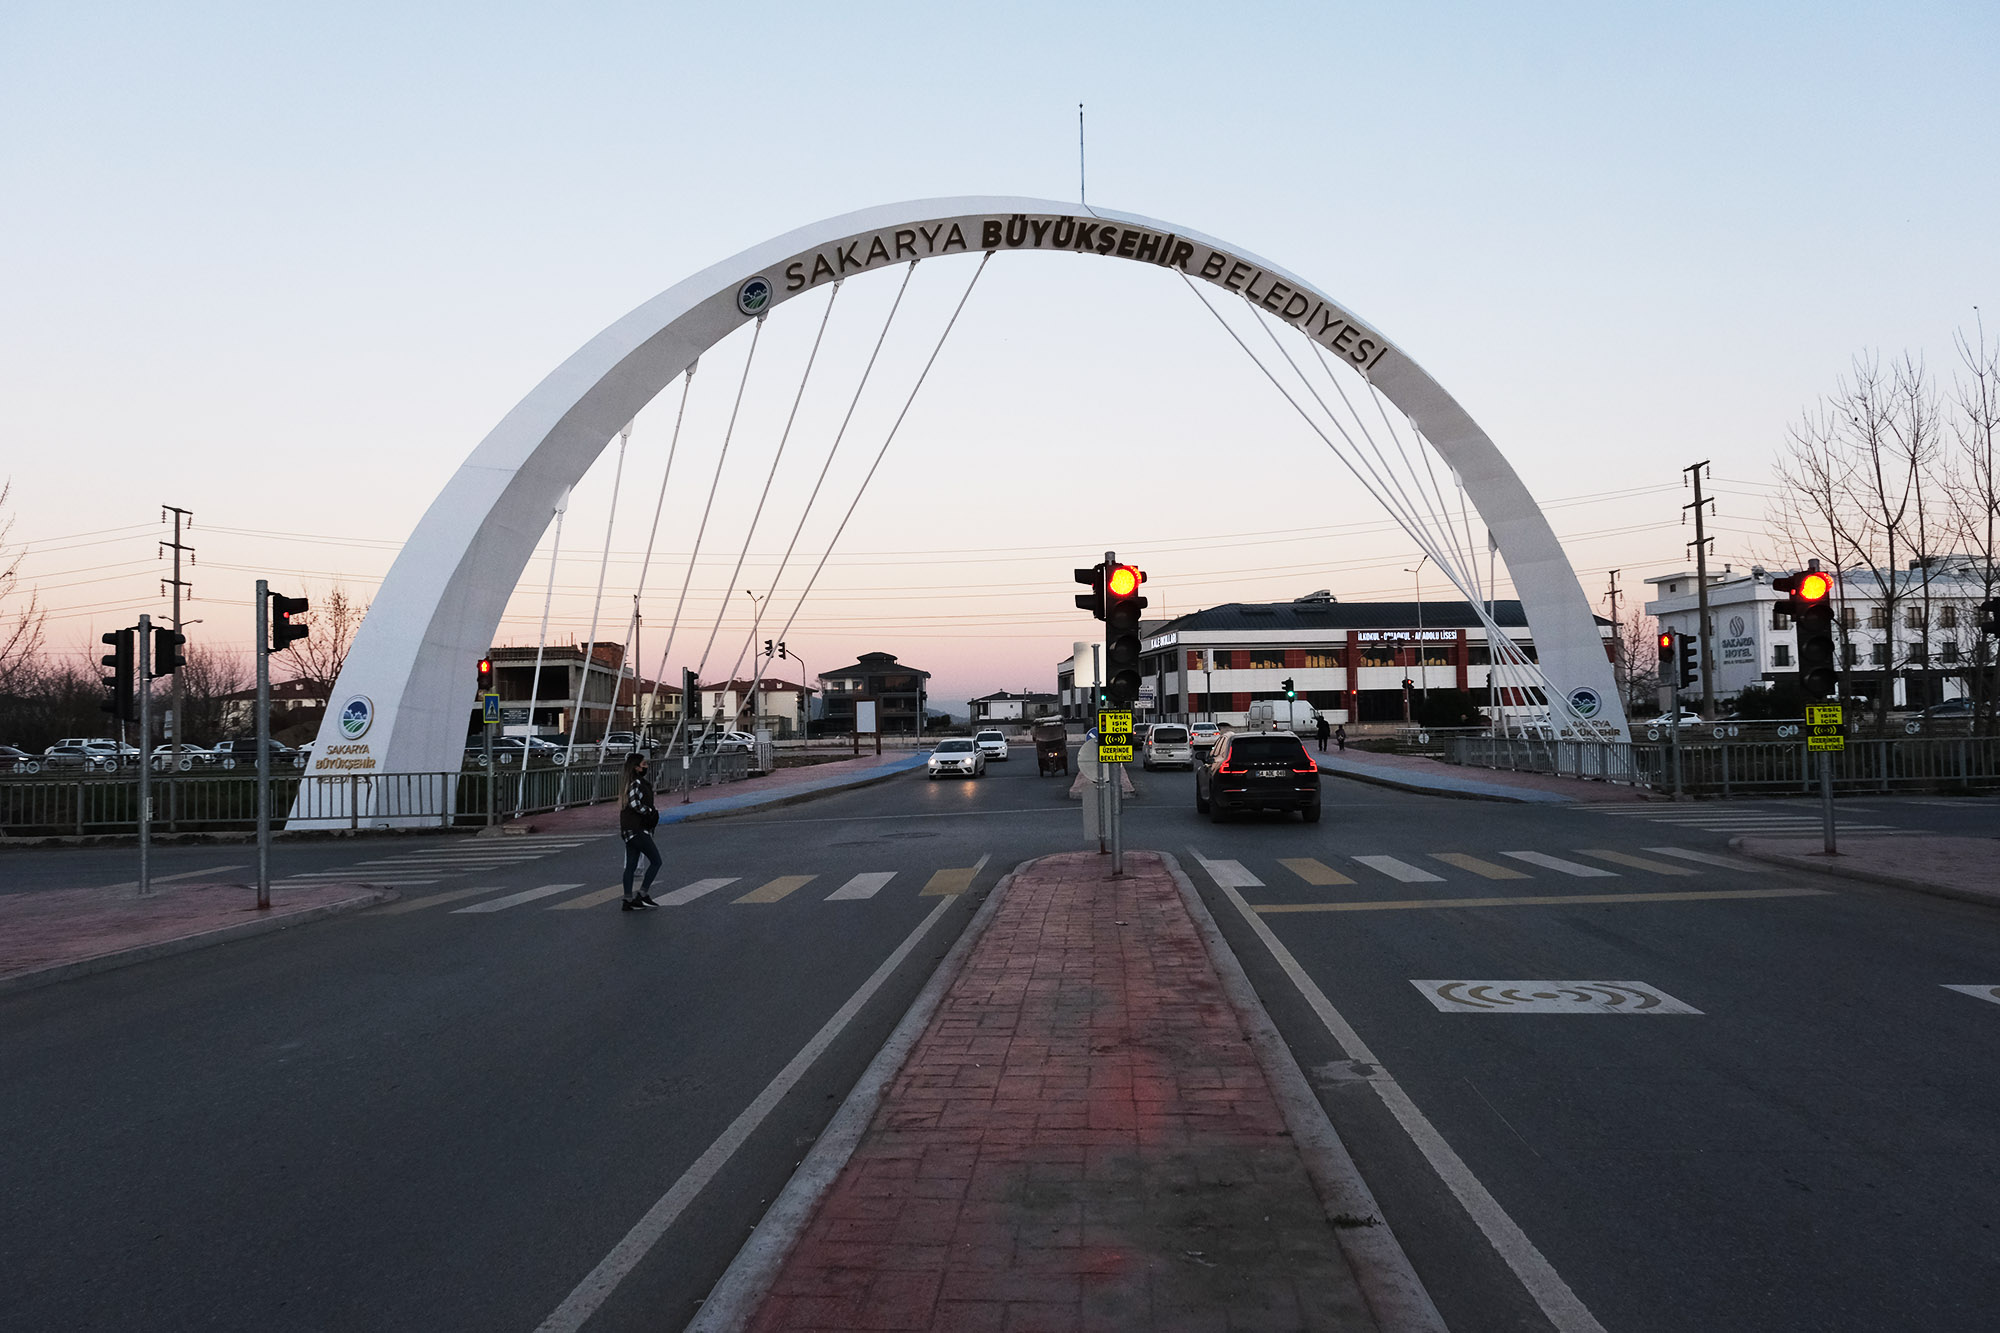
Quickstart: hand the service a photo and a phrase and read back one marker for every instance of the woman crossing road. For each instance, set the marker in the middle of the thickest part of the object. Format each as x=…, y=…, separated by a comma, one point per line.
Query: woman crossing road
x=636, y=821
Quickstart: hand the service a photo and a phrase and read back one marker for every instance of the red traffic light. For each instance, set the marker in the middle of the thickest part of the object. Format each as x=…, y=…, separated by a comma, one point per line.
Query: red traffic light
x=1666, y=641
x=1122, y=581
x=1813, y=586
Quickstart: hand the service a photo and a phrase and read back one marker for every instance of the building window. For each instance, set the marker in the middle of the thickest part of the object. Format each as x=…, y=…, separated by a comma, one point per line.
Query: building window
x=1780, y=619
x=1377, y=655
x=1920, y=652
x=1878, y=654
x=1948, y=651
x=1781, y=654
x=1848, y=620
x=1478, y=655
x=1947, y=617
x=1436, y=654
x=1878, y=617
x=1913, y=618
x=1325, y=657
x=1269, y=659
x=1849, y=655
x=1224, y=659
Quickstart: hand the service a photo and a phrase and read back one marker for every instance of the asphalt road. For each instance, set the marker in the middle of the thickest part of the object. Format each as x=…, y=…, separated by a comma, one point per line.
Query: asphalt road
x=432, y=1116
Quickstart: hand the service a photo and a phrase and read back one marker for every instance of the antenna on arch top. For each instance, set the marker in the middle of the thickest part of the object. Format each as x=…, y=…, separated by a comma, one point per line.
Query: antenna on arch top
x=1082, y=197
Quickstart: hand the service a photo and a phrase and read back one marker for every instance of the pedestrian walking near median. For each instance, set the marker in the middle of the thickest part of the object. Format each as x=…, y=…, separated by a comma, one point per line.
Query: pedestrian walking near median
x=1339, y=738
x=1324, y=732
x=637, y=818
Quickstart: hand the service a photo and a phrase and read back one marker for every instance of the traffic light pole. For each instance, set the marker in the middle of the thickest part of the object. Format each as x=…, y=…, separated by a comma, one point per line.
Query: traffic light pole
x=264, y=745
x=143, y=682
x=1674, y=729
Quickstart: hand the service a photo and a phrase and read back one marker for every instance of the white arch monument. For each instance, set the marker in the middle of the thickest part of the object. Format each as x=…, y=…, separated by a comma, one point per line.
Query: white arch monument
x=401, y=702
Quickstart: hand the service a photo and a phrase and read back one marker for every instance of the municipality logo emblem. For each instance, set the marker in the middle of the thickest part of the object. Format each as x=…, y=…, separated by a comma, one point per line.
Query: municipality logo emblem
x=1584, y=702
x=355, y=715
x=753, y=296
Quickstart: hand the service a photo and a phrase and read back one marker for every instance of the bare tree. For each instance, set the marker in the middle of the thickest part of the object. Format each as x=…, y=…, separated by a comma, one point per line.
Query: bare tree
x=1973, y=491
x=1639, y=645
x=20, y=625
x=1855, y=471
x=333, y=619
x=208, y=678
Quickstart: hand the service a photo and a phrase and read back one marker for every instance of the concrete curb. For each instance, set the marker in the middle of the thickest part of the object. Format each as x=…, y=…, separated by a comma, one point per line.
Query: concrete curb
x=1523, y=797
x=713, y=810
x=1395, y=1295
x=740, y=1293
x=105, y=962
x=1821, y=864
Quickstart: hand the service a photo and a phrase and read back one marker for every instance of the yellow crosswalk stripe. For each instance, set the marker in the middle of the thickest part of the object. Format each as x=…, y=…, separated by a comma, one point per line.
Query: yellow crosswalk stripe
x=598, y=899
x=1478, y=867
x=434, y=900
x=945, y=883
x=1312, y=871
x=781, y=887
x=1636, y=862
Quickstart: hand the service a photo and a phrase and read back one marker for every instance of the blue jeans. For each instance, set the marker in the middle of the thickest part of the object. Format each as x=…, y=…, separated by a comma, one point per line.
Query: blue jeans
x=641, y=844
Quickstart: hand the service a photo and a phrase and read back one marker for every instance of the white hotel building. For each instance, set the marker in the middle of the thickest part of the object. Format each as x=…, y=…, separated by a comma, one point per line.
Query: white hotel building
x=1347, y=659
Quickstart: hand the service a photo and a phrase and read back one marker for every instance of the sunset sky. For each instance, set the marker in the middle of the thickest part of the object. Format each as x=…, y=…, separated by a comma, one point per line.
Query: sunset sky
x=286, y=268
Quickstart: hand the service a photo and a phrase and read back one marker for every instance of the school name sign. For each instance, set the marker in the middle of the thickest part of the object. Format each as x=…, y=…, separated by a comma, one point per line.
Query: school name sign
x=1277, y=293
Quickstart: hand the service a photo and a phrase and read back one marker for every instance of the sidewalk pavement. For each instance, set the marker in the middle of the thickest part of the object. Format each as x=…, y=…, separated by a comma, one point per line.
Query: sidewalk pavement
x=1433, y=776
x=778, y=787
x=1098, y=1129
x=51, y=935
x=1963, y=868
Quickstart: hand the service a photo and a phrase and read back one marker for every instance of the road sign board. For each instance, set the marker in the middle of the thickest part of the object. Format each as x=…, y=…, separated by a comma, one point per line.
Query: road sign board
x=1826, y=742
x=1114, y=754
x=1147, y=697
x=492, y=702
x=1823, y=715
x=1114, y=723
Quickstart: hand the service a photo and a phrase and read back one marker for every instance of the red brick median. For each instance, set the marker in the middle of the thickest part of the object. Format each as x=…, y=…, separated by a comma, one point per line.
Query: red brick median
x=1083, y=1138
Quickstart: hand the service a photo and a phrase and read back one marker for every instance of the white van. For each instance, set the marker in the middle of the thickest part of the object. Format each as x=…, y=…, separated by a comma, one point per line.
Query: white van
x=1166, y=746
x=1294, y=715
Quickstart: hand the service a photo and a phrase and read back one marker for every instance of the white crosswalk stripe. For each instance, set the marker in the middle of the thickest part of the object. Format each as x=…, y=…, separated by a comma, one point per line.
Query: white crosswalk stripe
x=1400, y=870
x=700, y=888
x=516, y=899
x=861, y=886
x=1556, y=863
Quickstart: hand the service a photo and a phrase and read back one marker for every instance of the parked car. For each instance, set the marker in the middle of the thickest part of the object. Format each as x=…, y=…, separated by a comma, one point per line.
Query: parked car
x=1202, y=736
x=728, y=742
x=182, y=758
x=19, y=761
x=956, y=756
x=620, y=743
x=1166, y=746
x=90, y=755
x=991, y=744
x=1258, y=770
x=1951, y=708
x=509, y=750
x=241, y=752
x=1689, y=718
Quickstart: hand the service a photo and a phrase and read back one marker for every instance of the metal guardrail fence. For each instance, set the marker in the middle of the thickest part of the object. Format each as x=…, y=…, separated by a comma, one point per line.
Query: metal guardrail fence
x=1732, y=768
x=40, y=806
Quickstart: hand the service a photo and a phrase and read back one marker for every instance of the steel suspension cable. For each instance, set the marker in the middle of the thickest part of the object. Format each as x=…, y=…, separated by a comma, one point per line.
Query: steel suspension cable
x=755, y=335
x=883, y=451
x=541, y=643
x=596, y=606
x=757, y=515
x=652, y=534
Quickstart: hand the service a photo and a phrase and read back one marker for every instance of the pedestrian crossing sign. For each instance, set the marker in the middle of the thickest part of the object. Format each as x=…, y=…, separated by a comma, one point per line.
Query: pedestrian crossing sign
x=492, y=706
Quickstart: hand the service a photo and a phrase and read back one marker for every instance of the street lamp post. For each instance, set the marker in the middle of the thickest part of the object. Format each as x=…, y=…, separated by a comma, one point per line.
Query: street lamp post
x=756, y=618
x=1423, y=677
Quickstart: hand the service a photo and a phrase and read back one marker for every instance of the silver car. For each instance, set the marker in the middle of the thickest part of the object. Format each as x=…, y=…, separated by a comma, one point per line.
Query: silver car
x=956, y=758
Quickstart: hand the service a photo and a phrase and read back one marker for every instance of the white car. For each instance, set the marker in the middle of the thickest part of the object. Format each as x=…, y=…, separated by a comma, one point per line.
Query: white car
x=956, y=758
x=1166, y=746
x=991, y=744
x=1202, y=736
x=1689, y=718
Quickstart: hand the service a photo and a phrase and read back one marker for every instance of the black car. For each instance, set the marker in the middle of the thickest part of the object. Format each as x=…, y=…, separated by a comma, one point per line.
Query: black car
x=1257, y=770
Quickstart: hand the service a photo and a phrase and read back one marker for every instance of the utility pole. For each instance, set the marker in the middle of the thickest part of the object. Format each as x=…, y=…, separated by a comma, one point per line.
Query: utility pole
x=176, y=733
x=1617, y=643
x=1705, y=632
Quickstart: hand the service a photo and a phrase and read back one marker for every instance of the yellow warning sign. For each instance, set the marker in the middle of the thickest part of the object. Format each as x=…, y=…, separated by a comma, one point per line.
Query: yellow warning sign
x=1823, y=715
x=1833, y=742
x=1114, y=724
x=1114, y=754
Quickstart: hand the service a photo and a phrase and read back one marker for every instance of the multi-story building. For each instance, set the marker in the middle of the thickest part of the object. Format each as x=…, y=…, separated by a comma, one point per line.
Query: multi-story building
x=1927, y=655
x=780, y=705
x=1348, y=659
x=1010, y=706
x=897, y=689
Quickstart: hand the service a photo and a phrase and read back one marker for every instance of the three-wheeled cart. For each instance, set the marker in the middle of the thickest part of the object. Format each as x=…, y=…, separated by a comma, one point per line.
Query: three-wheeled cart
x=1051, y=748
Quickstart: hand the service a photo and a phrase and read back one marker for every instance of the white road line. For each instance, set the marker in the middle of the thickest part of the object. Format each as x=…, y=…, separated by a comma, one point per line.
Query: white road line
x=1227, y=874
x=1400, y=870
x=861, y=887
x=186, y=874
x=1567, y=1313
x=598, y=1285
x=1710, y=859
x=682, y=896
x=516, y=899
x=1556, y=863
